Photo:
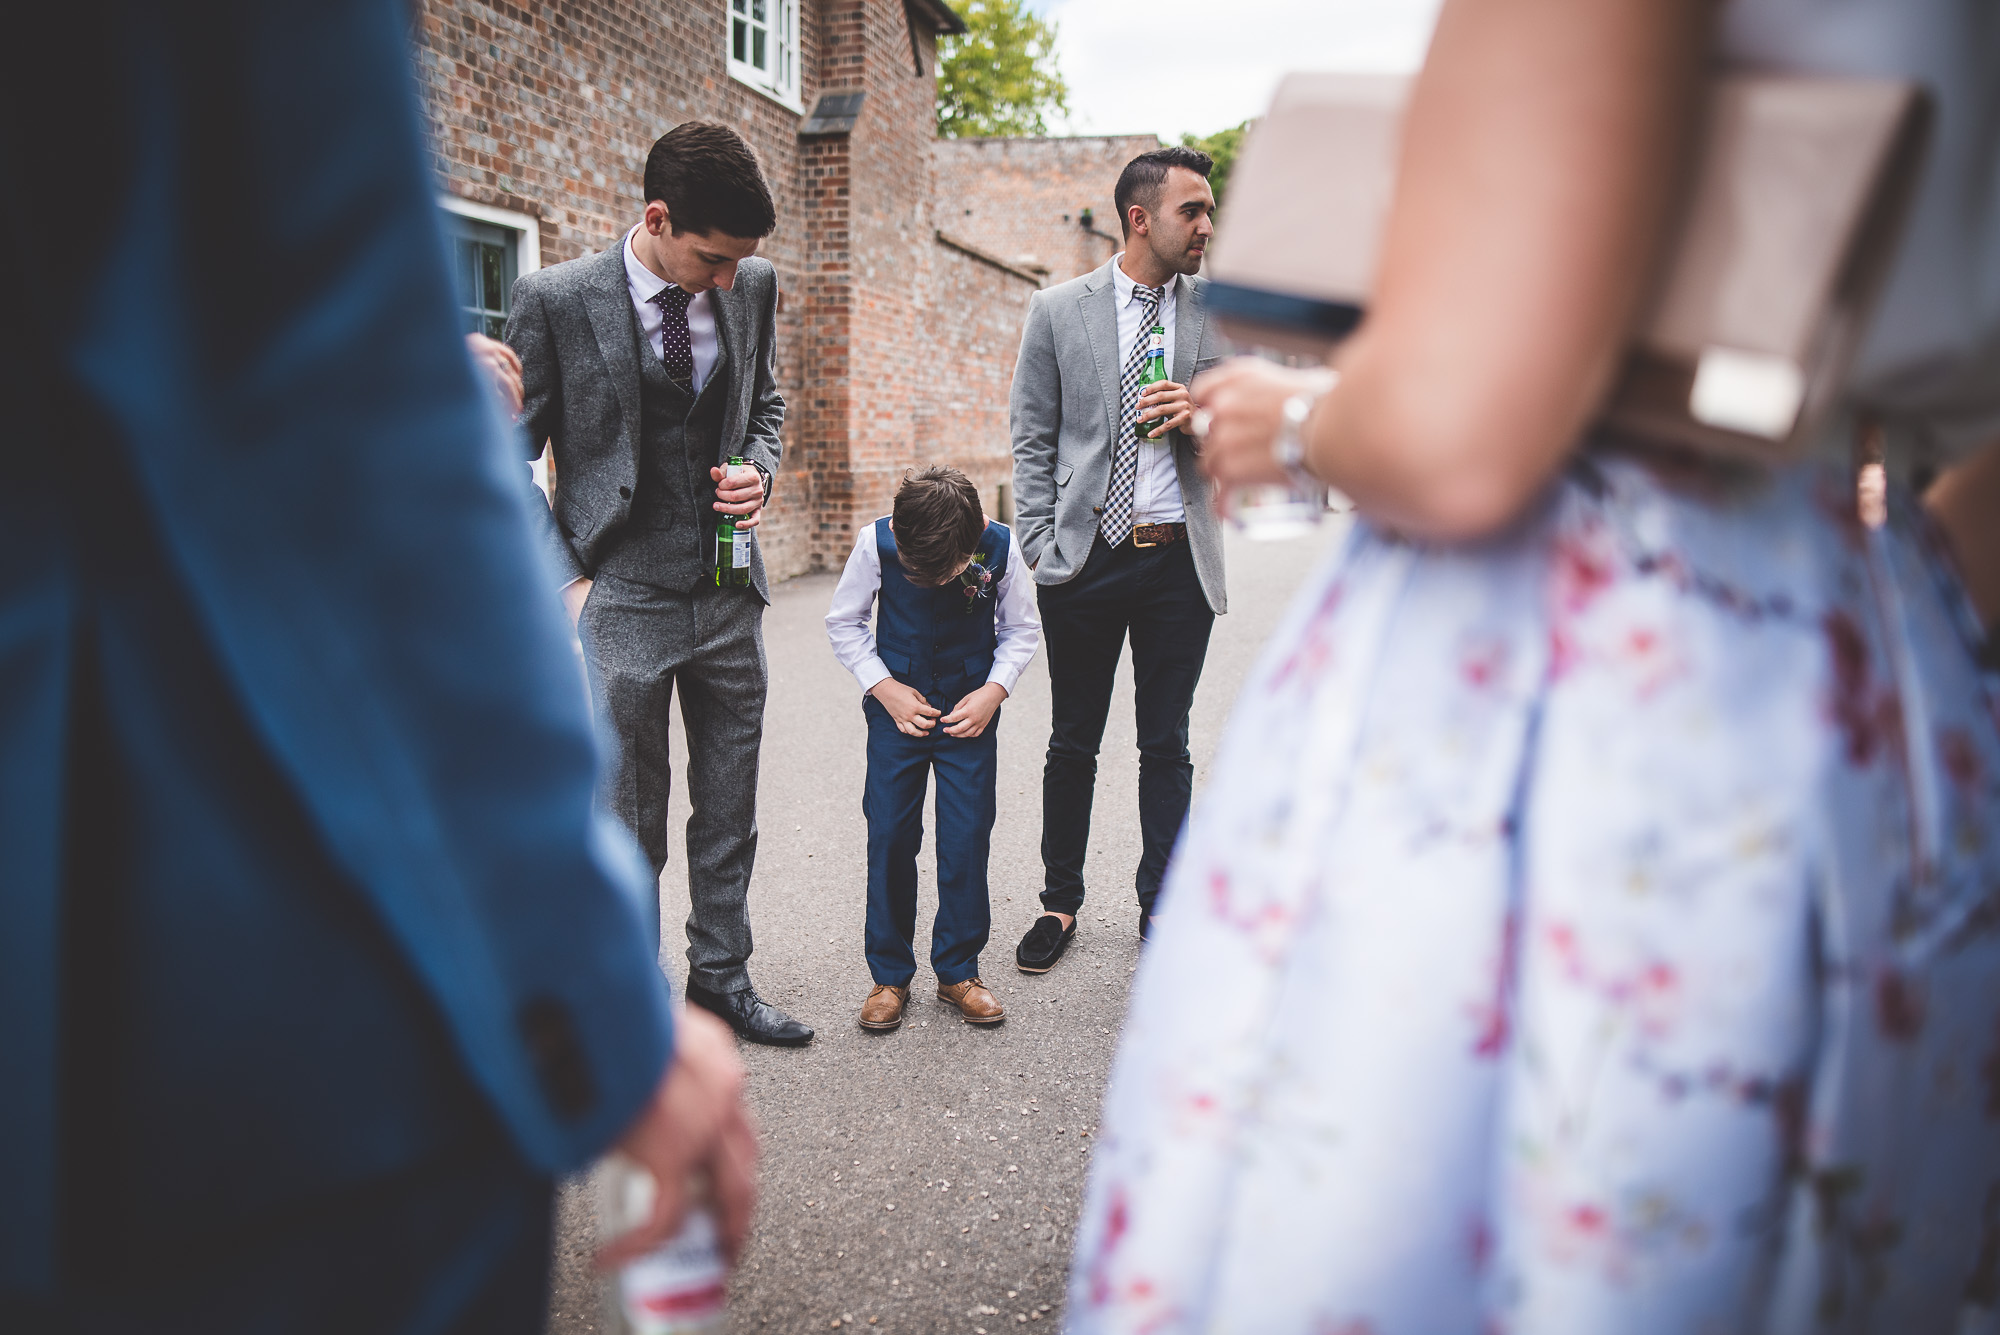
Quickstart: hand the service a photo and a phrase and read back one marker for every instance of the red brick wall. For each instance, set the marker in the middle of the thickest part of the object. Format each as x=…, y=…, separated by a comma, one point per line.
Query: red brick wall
x=550, y=110
x=894, y=350
x=1022, y=198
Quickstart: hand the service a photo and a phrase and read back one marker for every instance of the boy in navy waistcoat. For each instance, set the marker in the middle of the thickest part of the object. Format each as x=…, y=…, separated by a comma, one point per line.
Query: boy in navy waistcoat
x=955, y=624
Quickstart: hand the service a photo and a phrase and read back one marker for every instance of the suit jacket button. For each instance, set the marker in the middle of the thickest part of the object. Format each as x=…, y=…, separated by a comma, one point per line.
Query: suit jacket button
x=625, y=492
x=1097, y=509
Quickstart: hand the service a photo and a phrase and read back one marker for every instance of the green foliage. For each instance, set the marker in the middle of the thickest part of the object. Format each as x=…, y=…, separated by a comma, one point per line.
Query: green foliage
x=1000, y=78
x=1222, y=146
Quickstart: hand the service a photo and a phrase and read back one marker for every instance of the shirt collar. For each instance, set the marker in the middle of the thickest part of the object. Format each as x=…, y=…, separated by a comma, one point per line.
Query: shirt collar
x=1122, y=282
x=645, y=284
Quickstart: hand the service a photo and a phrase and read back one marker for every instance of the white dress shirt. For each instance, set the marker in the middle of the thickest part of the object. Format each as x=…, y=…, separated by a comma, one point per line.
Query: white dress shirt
x=1156, y=498
x=1016, y=623
x=644, y=285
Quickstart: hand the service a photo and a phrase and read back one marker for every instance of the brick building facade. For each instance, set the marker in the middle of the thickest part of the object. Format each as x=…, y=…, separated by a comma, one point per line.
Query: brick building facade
x=900, y=314
x=1042, y=203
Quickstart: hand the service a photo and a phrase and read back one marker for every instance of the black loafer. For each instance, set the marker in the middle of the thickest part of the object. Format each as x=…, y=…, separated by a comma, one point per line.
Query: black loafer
x=1044, y=944
x=754, y=1019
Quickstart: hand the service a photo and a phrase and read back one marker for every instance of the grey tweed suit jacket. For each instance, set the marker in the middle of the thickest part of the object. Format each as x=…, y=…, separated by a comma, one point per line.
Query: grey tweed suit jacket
x=574, y=328
x=1064, y=414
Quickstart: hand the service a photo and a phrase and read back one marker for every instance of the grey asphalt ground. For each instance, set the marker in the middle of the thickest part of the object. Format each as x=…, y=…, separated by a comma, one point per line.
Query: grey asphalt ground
x=926, y=1180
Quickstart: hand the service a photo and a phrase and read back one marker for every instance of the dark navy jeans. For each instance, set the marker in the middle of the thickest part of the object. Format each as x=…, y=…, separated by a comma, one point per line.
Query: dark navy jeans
x=1152, y=595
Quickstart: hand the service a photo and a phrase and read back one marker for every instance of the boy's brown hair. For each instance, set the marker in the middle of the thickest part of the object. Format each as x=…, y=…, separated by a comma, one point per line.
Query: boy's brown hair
x=938, y=524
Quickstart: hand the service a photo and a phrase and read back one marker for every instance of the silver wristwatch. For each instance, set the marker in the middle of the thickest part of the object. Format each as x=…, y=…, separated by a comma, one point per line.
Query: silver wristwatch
x=1290, y=447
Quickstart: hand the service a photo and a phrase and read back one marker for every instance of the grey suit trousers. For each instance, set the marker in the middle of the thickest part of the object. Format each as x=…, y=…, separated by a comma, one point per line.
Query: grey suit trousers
x=643, y=643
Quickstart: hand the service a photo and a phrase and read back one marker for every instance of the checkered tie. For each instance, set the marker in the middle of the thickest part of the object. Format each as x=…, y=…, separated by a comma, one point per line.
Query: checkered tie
x=1116, y=524
x=676, y=347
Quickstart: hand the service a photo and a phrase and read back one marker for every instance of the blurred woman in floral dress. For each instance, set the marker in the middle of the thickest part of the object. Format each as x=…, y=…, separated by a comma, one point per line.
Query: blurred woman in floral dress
x=1593, y=920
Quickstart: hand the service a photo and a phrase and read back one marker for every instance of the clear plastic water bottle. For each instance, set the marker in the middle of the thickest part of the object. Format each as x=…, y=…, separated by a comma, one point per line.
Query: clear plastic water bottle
x=680, y=1287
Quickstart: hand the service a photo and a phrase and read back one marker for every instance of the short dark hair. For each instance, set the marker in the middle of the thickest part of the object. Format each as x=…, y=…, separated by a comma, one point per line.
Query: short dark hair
x=938, y=523
x=1140, y=182
x=709, y=180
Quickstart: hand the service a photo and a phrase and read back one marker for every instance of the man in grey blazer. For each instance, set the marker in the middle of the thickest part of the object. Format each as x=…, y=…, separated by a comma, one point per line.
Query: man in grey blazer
x=647, y=368
x=1118, y=528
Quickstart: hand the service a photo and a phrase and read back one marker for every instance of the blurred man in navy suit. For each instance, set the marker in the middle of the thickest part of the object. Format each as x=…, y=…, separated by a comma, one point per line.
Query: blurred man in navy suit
x=316, y=963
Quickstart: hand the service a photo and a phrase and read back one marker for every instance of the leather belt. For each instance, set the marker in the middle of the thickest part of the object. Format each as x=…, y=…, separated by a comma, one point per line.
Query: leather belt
x=1158, y=535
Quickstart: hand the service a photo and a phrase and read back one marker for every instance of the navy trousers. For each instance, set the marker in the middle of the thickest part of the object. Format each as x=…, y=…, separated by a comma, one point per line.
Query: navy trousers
x=893, y=801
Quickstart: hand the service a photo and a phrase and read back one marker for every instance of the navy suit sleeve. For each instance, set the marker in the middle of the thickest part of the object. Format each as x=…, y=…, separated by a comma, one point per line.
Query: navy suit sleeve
x=343, y=508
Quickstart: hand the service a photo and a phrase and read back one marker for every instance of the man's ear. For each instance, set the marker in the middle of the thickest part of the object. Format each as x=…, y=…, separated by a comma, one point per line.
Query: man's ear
x=1136, y=221
x=657, y=219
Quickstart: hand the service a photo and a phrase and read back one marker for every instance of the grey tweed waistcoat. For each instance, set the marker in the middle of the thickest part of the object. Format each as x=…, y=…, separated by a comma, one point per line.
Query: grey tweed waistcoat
x=669, y=541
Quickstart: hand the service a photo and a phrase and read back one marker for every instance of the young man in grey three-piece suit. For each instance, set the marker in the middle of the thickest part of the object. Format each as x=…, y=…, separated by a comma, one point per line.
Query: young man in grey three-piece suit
x=647, y=368
x=1117, y=527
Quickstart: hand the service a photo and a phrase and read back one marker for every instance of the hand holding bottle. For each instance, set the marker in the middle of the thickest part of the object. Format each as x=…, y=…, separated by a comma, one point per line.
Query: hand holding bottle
x=739, y=491
x=1164, y=406
x=694, y=1128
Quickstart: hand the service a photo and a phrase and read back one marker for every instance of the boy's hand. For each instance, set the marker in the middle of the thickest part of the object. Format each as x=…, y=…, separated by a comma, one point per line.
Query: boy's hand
x=906, y=705
x=971, y=715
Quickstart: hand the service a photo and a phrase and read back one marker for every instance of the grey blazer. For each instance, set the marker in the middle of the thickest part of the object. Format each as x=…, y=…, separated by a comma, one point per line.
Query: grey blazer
x=1064, y=417
x=574, y=328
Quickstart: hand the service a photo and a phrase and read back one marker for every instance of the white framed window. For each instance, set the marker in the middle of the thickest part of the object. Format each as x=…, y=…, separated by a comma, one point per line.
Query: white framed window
x=762, y=44
x=490, y=248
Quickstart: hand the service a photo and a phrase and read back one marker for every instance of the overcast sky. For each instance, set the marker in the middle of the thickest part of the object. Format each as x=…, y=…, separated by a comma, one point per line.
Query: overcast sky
x=1174, y=66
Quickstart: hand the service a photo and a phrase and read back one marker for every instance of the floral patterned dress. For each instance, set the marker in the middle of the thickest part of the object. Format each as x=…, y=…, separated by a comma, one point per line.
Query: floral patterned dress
x=1593, y=932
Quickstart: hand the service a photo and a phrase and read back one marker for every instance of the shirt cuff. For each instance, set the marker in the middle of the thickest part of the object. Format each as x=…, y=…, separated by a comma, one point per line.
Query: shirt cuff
x=1004, y=676
x=871, y=674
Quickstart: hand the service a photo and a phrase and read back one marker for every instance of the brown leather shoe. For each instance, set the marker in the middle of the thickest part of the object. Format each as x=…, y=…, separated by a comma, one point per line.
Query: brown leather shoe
x=974, y=1001
x=884, y=1007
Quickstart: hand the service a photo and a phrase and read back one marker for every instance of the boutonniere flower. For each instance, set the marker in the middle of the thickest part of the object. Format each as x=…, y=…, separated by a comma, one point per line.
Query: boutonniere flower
x=975, y=581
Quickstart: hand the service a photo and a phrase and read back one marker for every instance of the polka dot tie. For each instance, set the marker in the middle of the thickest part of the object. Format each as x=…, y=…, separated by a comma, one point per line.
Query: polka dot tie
x=676, y=347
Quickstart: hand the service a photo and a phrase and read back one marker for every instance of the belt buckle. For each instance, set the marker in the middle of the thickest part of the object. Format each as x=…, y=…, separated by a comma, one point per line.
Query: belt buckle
x=1137, y=529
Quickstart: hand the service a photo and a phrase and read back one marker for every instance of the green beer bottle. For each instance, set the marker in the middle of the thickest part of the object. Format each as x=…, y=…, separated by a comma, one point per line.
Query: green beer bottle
x=732, y=546
x=1152, y=373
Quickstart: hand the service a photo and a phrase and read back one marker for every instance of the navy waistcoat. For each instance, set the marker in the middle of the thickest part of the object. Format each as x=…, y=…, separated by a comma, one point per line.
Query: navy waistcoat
x=926, y=636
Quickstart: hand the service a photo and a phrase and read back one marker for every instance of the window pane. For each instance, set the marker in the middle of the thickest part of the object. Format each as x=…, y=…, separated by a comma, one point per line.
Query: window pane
x=757, y=11
x=740, y=6
x=493, y=277
x=757, y=48
x=739, y=40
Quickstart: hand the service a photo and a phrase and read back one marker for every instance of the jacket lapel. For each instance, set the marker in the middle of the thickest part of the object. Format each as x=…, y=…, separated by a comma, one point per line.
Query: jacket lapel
x=1189, y=318
x=608, y=302
x=1099, y=308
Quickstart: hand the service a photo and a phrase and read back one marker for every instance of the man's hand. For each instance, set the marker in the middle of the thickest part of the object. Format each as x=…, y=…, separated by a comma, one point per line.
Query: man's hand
x=739, y=491
x=694, y=1128
x=970, y=716
x=573, y=595
x=1168, y=401
x=502, y=366
x=906, y=705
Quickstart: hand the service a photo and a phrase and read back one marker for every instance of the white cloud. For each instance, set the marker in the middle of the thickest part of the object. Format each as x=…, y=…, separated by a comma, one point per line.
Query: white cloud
x=1174, y=66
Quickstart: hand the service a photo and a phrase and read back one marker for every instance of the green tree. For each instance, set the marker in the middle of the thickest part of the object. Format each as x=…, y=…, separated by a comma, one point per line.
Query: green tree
x=1223, y=146
x=1000, y=77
